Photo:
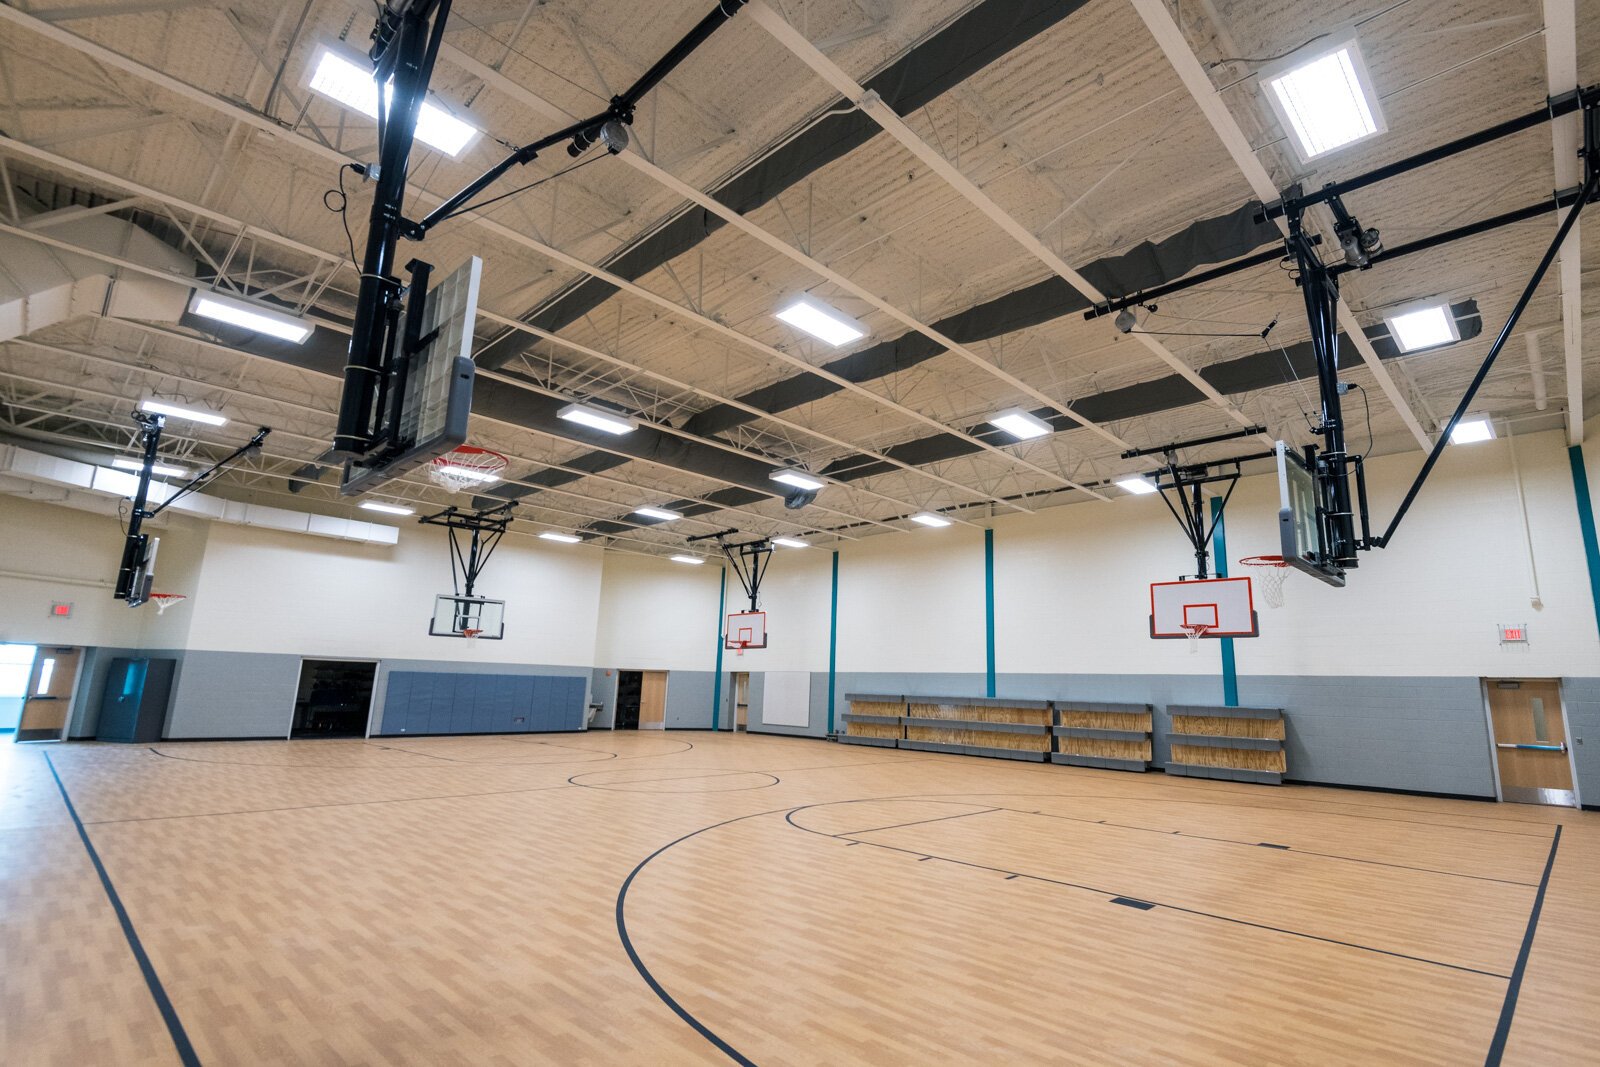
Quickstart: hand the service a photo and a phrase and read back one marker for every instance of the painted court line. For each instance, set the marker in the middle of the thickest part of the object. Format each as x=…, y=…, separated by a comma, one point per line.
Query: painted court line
x=1502, y=1031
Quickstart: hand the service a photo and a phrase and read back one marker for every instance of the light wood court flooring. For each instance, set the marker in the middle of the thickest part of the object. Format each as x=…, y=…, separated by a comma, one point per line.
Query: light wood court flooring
x=695, y=898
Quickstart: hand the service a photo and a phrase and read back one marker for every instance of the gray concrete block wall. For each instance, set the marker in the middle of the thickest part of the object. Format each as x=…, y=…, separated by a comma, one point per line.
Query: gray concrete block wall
x=689, y=696
x=817, y=718
x=234, y=694
x=1582, y=698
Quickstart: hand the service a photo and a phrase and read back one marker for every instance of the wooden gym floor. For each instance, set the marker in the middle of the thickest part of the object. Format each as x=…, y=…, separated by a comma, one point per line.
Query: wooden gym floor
x=691, y=898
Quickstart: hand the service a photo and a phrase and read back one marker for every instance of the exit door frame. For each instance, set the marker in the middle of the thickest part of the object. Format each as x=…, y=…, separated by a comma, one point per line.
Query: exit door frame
x=1566, y=729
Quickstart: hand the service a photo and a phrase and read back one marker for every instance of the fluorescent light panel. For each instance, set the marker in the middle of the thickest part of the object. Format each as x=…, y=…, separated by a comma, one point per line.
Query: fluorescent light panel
x=349, y=82
x=564, y=538
x=1423, y=327
x=387, y=509
x=693, y=560
x=249, y=315
x=165, y=470
x=1471, y=431
x=797, y=478
x=597, y=419
x=469, y=473
x=790, y=542
x=1023, y=425
x=928, y=518
x=657, y=513
x=158, y=407
x=1325, y=99
x=822, y=322
x=1136, y=486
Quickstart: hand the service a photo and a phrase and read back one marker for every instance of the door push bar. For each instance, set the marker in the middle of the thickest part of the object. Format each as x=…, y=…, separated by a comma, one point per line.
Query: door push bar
x=1562, y=747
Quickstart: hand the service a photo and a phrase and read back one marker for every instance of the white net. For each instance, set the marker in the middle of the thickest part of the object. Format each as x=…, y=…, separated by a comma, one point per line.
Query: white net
x=467, y=468
x=1195, y=632
x=1268, y=573
x=163, y=601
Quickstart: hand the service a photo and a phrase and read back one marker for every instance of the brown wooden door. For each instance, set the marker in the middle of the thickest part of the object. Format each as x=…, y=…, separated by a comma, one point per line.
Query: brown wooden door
x=49, y=699
x=741, y=701
x=1530, y=741
x=652, y=700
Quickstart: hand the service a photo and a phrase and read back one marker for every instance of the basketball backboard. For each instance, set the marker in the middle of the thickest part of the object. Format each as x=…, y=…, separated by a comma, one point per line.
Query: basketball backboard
x=1224, y=606
x=746, y=629
x=1300, y=523
x=424, y=409
x=454, y=615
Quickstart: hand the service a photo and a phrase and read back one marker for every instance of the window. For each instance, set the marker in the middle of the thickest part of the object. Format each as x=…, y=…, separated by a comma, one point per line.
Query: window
x=46, y=670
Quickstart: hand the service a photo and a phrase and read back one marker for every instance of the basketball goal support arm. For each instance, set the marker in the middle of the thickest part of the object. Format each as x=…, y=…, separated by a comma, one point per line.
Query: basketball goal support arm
x=484, y=529
x=749, y=560
x=207, y=476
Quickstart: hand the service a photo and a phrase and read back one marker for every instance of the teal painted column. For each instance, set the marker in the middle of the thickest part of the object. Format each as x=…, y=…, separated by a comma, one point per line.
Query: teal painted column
x=1591, y=544
x=833, y=639
x=988, y=607
x=716, y=686
x=1219, y=553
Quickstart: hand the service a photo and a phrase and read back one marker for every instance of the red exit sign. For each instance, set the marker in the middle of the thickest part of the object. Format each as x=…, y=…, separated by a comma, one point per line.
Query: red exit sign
x=61, y=609
x=1514, y=634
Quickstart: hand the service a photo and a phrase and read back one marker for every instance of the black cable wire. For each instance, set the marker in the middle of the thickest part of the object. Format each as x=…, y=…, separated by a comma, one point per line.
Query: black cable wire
x=1367, y=407
x=480, y=205
x=342, y=211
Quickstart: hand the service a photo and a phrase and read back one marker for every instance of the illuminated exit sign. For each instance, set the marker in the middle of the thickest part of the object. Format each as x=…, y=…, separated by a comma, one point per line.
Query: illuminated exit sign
x=61, y=609
x=1514, y=635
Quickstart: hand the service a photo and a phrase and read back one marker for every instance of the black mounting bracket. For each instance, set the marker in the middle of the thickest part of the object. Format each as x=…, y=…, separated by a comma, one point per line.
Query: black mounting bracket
x=748, y=559
x=481, y=531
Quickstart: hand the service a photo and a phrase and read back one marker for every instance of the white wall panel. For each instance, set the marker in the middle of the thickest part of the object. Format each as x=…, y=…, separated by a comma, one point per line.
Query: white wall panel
x=658, y=615
x=913, y=601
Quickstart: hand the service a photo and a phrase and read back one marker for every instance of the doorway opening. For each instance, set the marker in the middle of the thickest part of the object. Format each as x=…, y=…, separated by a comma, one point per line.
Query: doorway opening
x=334, y=698
x=47, y=695
x=16, y=664
x=1528, y=728
x=641, y=700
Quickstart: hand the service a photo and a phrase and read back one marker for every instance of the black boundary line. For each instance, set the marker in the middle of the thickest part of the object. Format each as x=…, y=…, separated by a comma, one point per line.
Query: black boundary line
x=789, y=818
x=169, y=1014
x=638, y=964
x=1263, y=844
x=612, y=787
x=919, y=822
x=559, y=761
x=1508, y=1009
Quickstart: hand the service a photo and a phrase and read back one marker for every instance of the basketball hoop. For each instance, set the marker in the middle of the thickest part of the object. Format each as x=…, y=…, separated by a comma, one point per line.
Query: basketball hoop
x=163, y=601
x=1269, y=572
x=466, y=467
x=1195, y=631
x=470, y=634
x=740, y=646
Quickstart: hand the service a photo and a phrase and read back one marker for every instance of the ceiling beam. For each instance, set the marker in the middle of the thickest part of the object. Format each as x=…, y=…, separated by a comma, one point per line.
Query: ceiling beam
x=1561, y=69
x=896, y=127
x=288, y=136
x=635, y=159
x=1187, y=66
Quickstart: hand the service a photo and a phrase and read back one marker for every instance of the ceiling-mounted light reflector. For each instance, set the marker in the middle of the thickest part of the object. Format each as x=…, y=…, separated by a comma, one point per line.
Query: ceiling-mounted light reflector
x=348, y=81
x=162, y=470
x=157, y=407
x=692, y=560
x=249, y=315
x=798, y=478
x=1324, y=98
x=660, y=514
x=1023, y=425
x=1136, y=486
x=928, y=518
x=563, y=538
x=1471, y=431
x=597, y=419
x=1416, y=328
x=790, y=542
x=822, y=322
x=387, y=509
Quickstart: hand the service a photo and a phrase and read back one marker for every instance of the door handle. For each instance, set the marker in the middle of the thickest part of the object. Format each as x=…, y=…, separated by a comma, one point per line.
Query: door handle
x=1562, y=747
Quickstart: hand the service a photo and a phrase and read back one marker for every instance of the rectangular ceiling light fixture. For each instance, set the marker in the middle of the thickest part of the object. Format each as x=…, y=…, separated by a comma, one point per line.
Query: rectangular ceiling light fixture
x=692, y=560
x=158, y=407
x=597, y=419
x=661, y=514
x=164, y=470
x=471, y=474
x=822, y=322
x=1023, y=425
x=249, y=315
x=563, y=538
x=1136, y=486
x=347, y=81
x=1427, y=326
x=790, y=542
x=928, y=518
x=798, y=478
x=387, y=509
x=1324, y=97
x=1471, y=431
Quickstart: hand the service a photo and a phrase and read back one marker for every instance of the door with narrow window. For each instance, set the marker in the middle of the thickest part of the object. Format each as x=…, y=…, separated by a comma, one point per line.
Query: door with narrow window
x=1530, y=741
x=49, y=698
